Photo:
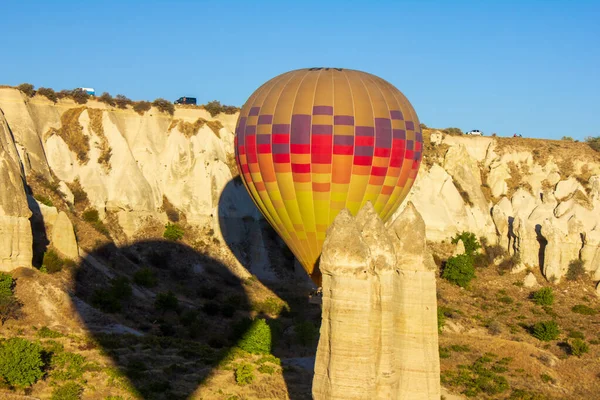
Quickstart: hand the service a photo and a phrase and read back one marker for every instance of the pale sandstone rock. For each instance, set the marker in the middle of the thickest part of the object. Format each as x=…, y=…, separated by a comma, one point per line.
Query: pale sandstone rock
x=436, y=138
x=63, y=237
x=379, y=331
x=590, y=253
x=598, y=288
x=530, y=281
x=66, y=192
x=477, y=147
x=526, y=243
x=497, y=177
x=567, y=188
x=15, y=229
x=459, y=249
x=561, y=248
x=523, y=203
x=501, y=222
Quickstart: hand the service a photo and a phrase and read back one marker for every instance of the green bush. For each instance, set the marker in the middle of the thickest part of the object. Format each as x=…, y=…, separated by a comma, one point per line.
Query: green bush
x=68, y=391
x=46, y=332
x=257, y=339
x=459, y=270
x=441, y=318
x=545, y=331
x=244, y=374
x=141, y=107
x=453, y=131
x=164, y=106
x=7, y=284
x=44, y=200
x=583, y=309
x=173, y=232
x=107, y=99
x=21, y=362
x=266, y=369
x=121, y=288
x=166, y=301
x=483, y=376
x=306, y=333
x=52, y=262
x=567, y=139
x=27, y=89
x=10, y=307
x=64, y=94
x=469, y=240
x=122, y=101
x=270, y=305
x=104, y=300
x=145, y=277
x=578, y=347
x=67, y=366
x=544, y=297
x=91, y=215
x=576, y=270
x=80, y=96
x=48, y=93
x=593, y=142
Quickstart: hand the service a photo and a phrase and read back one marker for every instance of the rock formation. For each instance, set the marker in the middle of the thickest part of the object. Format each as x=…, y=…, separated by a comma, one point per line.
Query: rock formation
x=379, y=323
x=15, y=230
x=63, y=237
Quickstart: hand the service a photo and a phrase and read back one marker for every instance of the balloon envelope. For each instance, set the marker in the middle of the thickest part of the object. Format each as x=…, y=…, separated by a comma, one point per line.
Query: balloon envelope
x=312, y=142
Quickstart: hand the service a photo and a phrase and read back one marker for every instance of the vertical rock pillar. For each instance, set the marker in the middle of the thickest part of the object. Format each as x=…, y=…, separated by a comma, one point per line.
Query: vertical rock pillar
x=379, y=337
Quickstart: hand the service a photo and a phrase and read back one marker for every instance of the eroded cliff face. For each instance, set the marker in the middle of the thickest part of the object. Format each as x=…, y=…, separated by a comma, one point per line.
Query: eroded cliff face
x=539, y=199
x=15, y=230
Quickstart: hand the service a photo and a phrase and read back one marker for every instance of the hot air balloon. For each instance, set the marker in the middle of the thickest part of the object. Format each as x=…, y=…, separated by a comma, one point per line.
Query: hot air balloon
x=314, y=141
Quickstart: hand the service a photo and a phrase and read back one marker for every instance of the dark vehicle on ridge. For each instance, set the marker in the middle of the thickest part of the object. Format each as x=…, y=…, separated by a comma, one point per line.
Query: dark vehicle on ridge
x=186, y=100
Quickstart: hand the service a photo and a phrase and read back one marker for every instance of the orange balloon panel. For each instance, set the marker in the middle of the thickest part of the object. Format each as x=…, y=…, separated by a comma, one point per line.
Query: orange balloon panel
x=312, y=142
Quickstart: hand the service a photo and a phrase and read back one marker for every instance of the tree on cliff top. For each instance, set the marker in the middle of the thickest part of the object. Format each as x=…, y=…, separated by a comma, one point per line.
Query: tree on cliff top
x=594, y=142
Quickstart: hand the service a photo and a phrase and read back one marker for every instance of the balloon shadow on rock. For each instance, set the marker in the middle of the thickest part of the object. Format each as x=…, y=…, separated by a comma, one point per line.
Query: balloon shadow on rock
x=166, y=314
x=260, y=250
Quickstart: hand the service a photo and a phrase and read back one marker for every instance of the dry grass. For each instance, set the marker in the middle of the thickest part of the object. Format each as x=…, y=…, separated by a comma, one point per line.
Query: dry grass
x=215, y=126
x=485, y=187
x=432, y=153
x=495, y=315
x=544, y=149
x=463, y=193
x=97, y=127
x=583, y=177
x=71, y=132
x=516, y=179
x=190, y=129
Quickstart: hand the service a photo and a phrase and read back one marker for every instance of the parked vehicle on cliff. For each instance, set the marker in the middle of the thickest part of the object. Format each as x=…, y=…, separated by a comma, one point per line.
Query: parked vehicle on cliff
x=475, y=132
x=186, y=100
x=89, y=91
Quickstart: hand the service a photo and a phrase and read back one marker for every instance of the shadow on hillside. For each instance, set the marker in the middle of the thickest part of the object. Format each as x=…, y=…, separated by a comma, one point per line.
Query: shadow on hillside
x=168, y=329
x=261, y=251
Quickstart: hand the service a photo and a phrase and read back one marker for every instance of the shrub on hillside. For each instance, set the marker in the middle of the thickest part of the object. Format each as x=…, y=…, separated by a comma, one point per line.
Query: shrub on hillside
x=20, y=362
x=257, y=339
x=79, y=194
x=567, y=139
x=80, y=96
x=215, y=107
x=453, y=131
x=166, y=302
x=173, y=232
x=141, y=107
x=544, y=296
x=50, y=94
x=459, y=270
x=441, y=318
x=68, y=391
x=10, y=306
x=27, y=89
x=145, y=277
x=91, y=215
x=52, y=262
x=164, y=106
x=578, y=347
x=107, y=99
x=593, y=142
x=306, y=333
x=583, y=309
x=545, y=331
x=469, y=240
x=122, y=101
x=244, y=374
x=576, y=270
x=64, y=94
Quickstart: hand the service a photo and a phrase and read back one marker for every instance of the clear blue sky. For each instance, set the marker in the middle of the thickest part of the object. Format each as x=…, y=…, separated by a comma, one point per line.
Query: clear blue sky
x=531, y=67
